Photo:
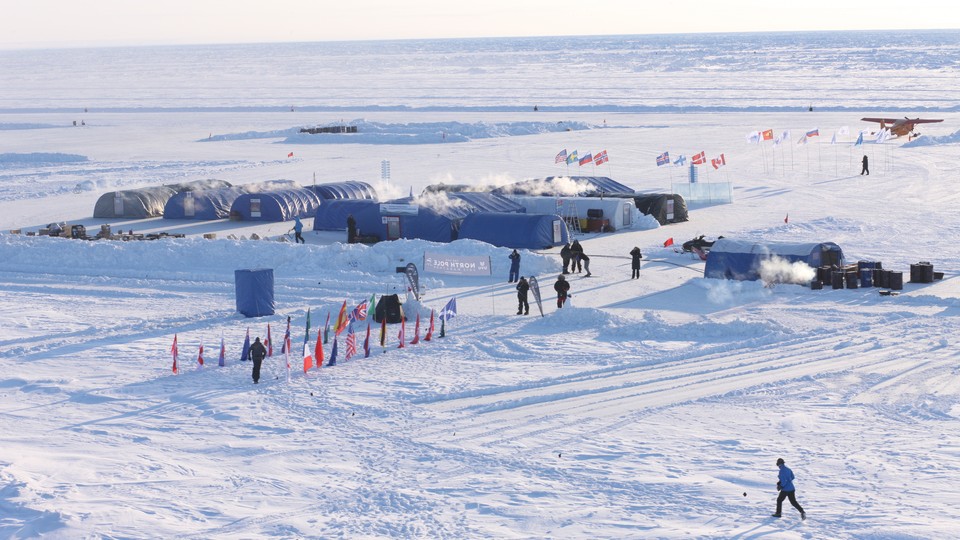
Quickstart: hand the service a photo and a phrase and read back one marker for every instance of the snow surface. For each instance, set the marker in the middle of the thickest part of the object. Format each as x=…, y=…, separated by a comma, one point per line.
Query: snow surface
x=651, y=408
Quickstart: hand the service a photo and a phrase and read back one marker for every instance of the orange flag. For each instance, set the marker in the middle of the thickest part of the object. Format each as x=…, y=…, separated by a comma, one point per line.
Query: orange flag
x=342, y=320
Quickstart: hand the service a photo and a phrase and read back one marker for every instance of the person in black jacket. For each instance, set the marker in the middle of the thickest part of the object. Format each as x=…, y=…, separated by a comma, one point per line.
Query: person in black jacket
x=351, y=229
x=866, y=166
x=576, y=250
x=522, y=287
x=257, y=352
x=562, y=286
x=635, y=257
x=514, y=266
x=565, y=257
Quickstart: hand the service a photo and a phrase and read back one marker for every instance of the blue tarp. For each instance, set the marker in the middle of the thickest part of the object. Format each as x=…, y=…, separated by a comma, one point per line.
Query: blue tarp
x=206, y=204
x=332, y=215
x=733, y=259
x=277, y=205
x=254, y=292
x=570, y=186
x=527, y=231
x=344, y=190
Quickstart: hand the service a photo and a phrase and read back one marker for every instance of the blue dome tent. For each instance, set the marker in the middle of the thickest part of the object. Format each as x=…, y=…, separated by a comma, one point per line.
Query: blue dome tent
x=277, y=205
x=332, y=214
x=344, y=190
x=528, y=231
x=205, y=204
x=739, y=260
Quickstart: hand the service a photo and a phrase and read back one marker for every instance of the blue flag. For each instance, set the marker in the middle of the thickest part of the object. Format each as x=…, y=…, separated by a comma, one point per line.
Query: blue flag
x=333, y=353
x=245, y=353
x=859, y=140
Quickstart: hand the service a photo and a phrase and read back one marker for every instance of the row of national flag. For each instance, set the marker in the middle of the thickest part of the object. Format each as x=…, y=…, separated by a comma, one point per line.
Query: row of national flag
x=344, y=322
x=756, y=137
x=571, y=158
x=697, y=159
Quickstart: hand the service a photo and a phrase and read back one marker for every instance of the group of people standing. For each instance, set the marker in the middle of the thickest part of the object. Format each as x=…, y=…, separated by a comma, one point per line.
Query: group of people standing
x=573, y=257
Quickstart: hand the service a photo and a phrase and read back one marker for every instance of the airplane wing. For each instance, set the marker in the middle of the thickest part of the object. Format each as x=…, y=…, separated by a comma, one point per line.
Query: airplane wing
x=879, y=120
x=922, y=121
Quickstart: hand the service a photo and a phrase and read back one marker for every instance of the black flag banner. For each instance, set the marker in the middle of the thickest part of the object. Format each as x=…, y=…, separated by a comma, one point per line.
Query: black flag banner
x=535, y=288
x=413, y=278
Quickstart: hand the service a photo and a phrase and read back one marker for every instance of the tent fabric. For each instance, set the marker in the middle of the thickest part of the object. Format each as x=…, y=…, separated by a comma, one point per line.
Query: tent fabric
x=665, y=207
x=620, y=212
x=207, y=204
x=332, y=214
x=133, y=203
x=277, y=205
x=517, y=231
x=196, y=185
x=569, y=186
x=254, y=290
x=739, y=260
x=344, y=190
x=388, y=306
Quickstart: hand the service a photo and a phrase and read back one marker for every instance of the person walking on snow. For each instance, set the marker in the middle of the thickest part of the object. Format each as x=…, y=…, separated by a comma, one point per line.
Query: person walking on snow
x=787, y=490
x=562, y=286
x=635, y=257
x=565, y=257
x=866, y=167
x=576, y=250
x=257, y=353
x=586, y=263
x=298, y=230
x=514, y=266
x=523, y=307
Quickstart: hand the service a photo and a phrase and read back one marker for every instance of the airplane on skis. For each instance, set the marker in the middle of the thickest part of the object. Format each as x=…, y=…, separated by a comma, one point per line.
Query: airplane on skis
x=901, y=126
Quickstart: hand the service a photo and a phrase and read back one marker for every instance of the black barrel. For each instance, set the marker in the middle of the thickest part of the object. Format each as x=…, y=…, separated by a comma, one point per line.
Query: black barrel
x=896, y=281
x=851, y=279
x=816, y=285
x=914, y=273
x=866, y=277
x=823, y=274
x=876, y=277
x=926, y=273
x=836, y=279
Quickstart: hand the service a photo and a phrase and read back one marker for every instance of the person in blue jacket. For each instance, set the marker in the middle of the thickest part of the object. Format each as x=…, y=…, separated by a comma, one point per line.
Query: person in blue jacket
x=298, y=230
x=514, y=267
x=786, y=489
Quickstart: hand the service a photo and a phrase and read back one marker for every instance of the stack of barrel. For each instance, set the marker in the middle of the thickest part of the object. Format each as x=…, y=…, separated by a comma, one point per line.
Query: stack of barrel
x=922, y=272
x=867, y=274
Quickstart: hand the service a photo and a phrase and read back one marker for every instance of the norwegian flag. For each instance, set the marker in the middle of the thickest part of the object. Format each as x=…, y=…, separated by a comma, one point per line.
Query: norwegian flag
x=601, y=158
x=561, y=157
x=718, y=162
x=699, y=159
x=351, y=342
x=175, y=351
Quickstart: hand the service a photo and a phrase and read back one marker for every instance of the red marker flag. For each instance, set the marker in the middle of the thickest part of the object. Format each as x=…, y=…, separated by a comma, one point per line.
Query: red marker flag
x=318, y=350
x=669, y=242
x=290, y=154
x=416, y=332
x=430, y=328
x=786, y=218
x=200, y=355
x=176, y=352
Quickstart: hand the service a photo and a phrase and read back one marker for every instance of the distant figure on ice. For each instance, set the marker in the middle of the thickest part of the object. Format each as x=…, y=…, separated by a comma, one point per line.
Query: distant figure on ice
x=298, y=230
x=523, y=308
x=635, y=257
x=786, y=489
x=351, y=229
x=535, y=108
x=576, y=250
x=562, y=286
x=565, y=257
x=514, y=267
x=866, y=167
x=257, y=353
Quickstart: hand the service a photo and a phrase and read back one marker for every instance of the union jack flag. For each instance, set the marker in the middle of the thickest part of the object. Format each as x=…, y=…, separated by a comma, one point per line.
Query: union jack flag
x=351, y=342
x=359, y=313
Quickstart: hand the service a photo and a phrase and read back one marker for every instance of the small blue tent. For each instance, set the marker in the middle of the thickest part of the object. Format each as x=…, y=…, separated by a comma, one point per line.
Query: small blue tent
x=206, y=204
x=436, y=217
x=344, y=190
x=528, y=231
x=332, y=214
x=254, y=289
x=277, y=205
x=733, y=259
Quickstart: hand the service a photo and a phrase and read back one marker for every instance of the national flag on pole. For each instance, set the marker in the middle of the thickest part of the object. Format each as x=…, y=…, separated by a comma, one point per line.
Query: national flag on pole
x=223, y=352
x=286, y=353
x=668, y=242
x=359, y=313
x=200, y=355
x=718, y=162
x=342, y=320
x=175, y=351
x=843, y=130
x=290, y=154
x=383, y=332
x=333, y=353
x=284, y=348
x=753, y=137
x=307, y=357
x=245, y=353
x=586, y=159
x=430, y=328
x=663, y=159
x=401, y=336
x=572, y=157
x=833, y=140
x=269, y=342
x=449, y=311
x=601, y=158
x=813, y=132
x=859, y=140
x=416, y=332
x=786, y=219
x=306, y=332
x=318, y=351
x=768, y=135
x=326, y=329
x=699, y=159
x=351, y=342
x=802, y=140
x=561, y=157
x=680, y=161
x=785, y=136
x=366, y=342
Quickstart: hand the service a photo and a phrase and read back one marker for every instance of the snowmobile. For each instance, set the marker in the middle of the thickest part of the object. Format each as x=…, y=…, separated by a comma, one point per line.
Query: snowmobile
x=699, y=243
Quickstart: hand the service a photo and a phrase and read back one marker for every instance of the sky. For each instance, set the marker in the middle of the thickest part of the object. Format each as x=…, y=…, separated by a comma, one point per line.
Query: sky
x=69, y=23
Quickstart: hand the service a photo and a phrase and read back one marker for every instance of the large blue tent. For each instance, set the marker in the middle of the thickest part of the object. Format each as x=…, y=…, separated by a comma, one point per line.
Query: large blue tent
x=205, y=204
x=518, y=231
x=278, y=205
x=332, y=214
x=739, y=260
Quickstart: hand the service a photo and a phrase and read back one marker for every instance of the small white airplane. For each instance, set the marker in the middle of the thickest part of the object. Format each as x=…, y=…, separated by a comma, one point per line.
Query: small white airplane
x=901, y=126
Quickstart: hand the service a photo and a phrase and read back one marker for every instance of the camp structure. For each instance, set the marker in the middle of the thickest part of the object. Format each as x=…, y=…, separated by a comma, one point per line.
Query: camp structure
x=388, y=307
x=332, y=215
x=344, y=190
x=206, y=204
x=517, y=231
x=133, y=203
x=664, y=207
x=739, y=260
x=276, y=205
x=595, y=214
x=569, y=186
x=435, y=217
x=197, y=185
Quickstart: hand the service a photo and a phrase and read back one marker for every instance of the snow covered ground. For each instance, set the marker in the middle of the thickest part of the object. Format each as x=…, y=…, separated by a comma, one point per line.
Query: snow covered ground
x=651, y=408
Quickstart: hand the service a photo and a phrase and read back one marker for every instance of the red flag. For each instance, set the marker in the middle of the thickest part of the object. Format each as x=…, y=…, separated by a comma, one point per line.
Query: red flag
x=269, y=342
x=669, y=242
x=699, y=159
x=430, y=329
x=307, y=358
x=290, y=154
x=786, y=218
x=223, y=352
x=318, y=350
x=416, y=332
x=383, y=332
x=401, y=335
x=342, y=320
x=718, y=162
x=176, y=352
x=767, y=135
x=200, y=355
x=366, y=342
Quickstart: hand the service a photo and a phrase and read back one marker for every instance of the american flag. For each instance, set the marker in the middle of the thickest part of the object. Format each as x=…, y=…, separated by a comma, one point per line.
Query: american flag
x=663, y=159
x=351, y=342
x=561, y=157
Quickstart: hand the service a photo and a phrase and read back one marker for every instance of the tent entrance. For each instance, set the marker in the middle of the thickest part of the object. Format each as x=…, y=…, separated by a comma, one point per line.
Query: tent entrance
x=118, y=203
x=393, y=227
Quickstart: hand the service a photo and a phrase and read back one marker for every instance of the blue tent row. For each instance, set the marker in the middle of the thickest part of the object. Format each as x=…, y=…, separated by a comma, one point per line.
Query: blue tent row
x=332, y=214
x=207, y=204
x=277, y=205
x=518, y=231
x=732, y=259
x=344, y=190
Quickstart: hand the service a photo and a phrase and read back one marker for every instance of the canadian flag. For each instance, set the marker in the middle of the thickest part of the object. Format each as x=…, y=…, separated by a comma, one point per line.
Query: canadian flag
x=718, y=162
x=699, y=159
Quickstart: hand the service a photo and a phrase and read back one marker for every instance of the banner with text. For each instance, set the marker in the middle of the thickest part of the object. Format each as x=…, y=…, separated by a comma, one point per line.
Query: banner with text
x=459, y=265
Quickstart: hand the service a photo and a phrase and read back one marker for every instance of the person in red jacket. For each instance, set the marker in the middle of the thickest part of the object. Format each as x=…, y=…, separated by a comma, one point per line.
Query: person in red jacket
x=562, y=286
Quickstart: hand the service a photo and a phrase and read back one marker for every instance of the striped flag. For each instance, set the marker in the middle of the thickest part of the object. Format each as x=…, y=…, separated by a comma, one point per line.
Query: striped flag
x=351, y=342
x=342, y=320
x=814, y=132
x=175, y=351
x=601, y=158
x=718, y=162
x=586, y=159
x=561, y=157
